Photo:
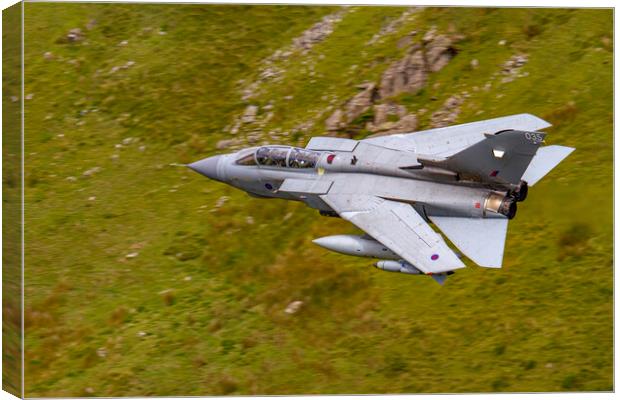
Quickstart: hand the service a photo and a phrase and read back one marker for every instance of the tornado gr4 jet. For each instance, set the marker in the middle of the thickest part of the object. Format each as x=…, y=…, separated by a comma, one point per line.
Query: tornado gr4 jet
x=465, y=179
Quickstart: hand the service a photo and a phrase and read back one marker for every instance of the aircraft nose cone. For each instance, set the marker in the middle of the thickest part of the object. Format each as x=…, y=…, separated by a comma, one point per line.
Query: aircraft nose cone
x=207, y=167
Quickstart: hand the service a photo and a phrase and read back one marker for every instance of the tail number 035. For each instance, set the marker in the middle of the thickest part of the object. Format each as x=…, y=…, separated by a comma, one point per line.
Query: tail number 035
x=534, y=137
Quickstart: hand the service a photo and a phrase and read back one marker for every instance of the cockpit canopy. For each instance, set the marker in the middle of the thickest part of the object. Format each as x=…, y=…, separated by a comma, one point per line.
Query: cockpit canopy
x=280, y=156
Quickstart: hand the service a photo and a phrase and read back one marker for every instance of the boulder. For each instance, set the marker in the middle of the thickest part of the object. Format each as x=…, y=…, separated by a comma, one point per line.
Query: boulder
x=223, y=144
x=439, y=52
x=448, y=112
x=294, y=307
x=382, y=112
x=407, y=75
x=430, y=35
x=75, y=35
x=407, y=124
x=249, y=115
x=361, y=102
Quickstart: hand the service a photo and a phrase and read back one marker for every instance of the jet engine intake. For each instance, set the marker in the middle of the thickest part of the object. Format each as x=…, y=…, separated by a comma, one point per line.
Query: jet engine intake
x=501, y=204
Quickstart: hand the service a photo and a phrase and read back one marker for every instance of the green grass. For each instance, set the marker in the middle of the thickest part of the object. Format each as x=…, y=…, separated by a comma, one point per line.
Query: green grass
x=200, y=309
x=11, y=204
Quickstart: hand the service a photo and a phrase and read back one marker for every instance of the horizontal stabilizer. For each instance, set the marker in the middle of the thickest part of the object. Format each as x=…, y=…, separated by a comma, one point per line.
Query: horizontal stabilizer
x=480, y=239
x=544, y=161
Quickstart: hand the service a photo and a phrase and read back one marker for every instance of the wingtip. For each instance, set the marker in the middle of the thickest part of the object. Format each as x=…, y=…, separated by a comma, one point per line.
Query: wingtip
x=542, y=124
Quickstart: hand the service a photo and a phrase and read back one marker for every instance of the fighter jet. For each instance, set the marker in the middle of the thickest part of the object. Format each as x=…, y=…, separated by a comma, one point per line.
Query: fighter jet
x=464, y=179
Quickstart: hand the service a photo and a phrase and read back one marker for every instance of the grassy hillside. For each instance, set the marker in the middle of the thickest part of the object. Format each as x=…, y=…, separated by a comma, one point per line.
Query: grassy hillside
x=11, y=201
x=142, y=278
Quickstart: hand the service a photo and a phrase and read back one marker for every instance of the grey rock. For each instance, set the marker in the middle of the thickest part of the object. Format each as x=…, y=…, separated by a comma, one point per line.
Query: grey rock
x=361, y=102
x=448, y=113
x=382, y=112
x=318, y=32
x=269, y=73
x=392, y=26
x=439, y=52
x=429, y=36
x=75, y=35
x=334, y=122
x=253, y=138
x=224, y=144
x=92, y=171
x=249, y=115
x=293, y=307
x=407, y=124
x=407, y=75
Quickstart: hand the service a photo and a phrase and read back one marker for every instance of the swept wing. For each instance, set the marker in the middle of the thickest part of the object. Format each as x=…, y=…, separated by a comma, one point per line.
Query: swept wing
x=444, y=142
x=399, y=227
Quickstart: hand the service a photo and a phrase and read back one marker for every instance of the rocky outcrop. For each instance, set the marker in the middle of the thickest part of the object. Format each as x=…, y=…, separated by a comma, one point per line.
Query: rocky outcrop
x=272, y=68
x=383, y=112
x=249, y=115
x=410, y=74
x=448, y=112
x=335, y=121
x=393, y=25
x=318, y=32
x=224, y=144
x=512, y=68
x=408, y=123
x=356, y=106
x=439, y=52
x=407, y=75
x=361, y=102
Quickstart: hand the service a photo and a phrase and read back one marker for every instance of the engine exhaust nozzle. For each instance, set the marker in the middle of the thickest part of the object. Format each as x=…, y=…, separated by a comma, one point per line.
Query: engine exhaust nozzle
x=501, y=204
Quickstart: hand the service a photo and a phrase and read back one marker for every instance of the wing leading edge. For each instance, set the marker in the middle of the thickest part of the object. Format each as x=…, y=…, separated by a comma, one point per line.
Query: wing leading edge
x=444, y=142
x=399, y=227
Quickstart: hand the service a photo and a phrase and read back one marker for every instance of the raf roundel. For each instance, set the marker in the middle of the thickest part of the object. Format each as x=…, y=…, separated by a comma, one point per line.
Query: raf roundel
x=434, y=257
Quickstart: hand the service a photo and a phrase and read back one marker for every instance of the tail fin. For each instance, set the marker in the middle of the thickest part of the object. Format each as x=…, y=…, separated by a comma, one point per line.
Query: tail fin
x=500, y=158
